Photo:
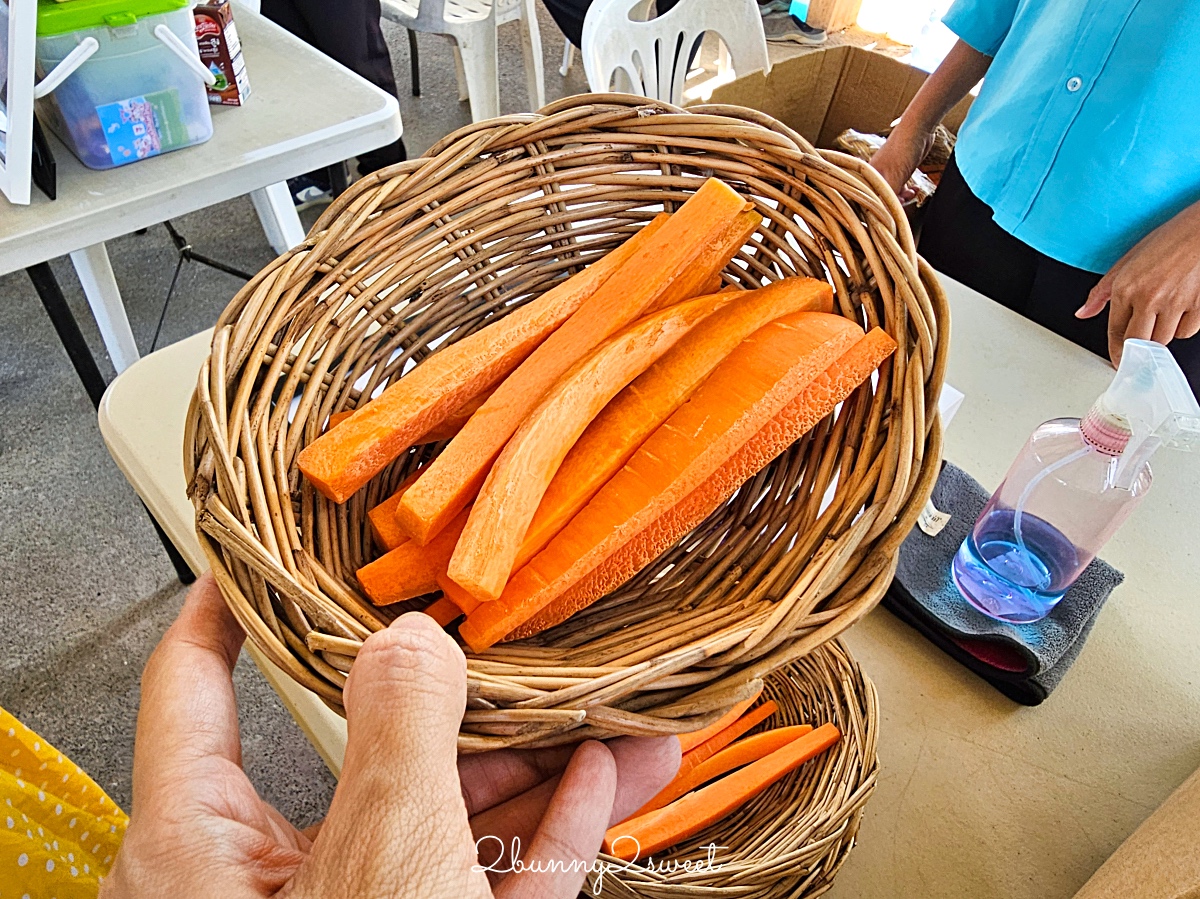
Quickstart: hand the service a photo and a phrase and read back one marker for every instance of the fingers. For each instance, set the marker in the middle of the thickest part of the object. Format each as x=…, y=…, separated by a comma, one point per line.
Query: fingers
x=492, y=778
x=1119, y=316
x=397, y=824
x=644, y=766
x=1097, y=299
x=568, y=839
x=188, y=710
x=1189, y=325
x=1166, y=325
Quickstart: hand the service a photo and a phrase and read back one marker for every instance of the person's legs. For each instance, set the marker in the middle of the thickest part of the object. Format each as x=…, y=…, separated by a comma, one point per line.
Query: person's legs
x=959, y=239
x=348, y=31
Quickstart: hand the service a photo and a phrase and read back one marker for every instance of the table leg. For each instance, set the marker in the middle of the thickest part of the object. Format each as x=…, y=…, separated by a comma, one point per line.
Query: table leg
x=100, y=287
x=84, y=362
x=277, y=213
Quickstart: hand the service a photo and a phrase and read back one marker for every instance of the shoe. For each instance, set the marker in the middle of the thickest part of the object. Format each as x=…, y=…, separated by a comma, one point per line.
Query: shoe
x=773, y=6
x=308, y=192
x=788, y=28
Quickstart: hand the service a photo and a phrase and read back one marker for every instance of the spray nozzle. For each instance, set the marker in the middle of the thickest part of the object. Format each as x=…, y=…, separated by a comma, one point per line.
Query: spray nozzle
x=1148, y=405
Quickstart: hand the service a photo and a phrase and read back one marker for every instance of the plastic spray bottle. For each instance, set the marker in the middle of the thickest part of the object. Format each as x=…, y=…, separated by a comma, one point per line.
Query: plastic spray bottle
x=1072, y=486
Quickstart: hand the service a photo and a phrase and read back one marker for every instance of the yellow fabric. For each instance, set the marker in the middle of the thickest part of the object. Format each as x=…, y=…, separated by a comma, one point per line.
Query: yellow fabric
x=59, y=831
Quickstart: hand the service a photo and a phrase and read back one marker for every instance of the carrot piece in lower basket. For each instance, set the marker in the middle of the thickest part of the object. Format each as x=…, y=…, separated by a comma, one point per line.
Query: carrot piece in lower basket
x=409, y=570
x=689, y=741
x=673, y=265
x=651, y=833
x=740, y=753
x=718, y=741
x=457, y=594
x=640, y=408
x=443, y=611
x=799, y=417
x=759, y=379
x=341, y=461
x=486, y=553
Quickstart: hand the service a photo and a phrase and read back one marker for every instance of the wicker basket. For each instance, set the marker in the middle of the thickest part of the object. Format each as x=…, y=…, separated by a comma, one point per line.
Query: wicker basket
x=428, y=251
x=792, y=838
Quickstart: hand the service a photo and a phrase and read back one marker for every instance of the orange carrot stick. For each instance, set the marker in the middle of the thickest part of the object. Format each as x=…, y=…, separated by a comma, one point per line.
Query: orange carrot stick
x=336, y=418
x=672, y=265
x=488, y=548
x=689, y=741
x=801, y=415
x=443, y=611
x=637, y=411
x=645, y=836
x=383, y=517
x=410, y=570
x=341, y=461
x=457, y=594
x=741, y=753
x=756, y=381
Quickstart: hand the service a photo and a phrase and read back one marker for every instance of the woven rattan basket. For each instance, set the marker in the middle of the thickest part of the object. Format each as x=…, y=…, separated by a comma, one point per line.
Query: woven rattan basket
x=792, y=838
x=428, y=251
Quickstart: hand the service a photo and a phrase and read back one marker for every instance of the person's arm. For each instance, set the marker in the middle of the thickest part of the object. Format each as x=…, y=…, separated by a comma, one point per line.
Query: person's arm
x=904, y=149
x=1153, y=292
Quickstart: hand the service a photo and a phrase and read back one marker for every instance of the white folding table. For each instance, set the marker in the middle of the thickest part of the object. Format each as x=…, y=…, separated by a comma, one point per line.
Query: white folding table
x=977, y=798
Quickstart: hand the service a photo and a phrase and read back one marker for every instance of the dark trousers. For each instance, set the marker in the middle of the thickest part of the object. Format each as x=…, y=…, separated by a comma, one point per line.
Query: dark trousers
x=959, y=238
x=569, y=15
x=347, y=31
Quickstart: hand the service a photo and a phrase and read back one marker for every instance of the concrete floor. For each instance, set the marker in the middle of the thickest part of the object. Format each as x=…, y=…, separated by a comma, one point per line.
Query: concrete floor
x=87, y=590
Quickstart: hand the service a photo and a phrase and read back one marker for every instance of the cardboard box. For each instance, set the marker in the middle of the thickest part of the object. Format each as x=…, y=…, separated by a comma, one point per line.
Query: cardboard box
x=833, y=15
x=823, y=92
x=221, y=53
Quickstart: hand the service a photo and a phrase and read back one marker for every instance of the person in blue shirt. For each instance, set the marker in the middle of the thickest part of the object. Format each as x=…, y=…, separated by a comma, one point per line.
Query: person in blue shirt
x=1073, y=195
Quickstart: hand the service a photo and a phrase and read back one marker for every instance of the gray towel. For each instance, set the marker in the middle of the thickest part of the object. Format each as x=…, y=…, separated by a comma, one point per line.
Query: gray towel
x=1024, y=661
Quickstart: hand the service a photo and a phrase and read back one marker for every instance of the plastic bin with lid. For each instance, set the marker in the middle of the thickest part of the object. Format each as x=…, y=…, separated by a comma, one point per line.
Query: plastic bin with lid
x=123, y=79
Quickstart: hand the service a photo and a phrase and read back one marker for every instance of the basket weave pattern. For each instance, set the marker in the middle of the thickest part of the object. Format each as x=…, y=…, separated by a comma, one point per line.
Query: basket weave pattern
x=428, y=251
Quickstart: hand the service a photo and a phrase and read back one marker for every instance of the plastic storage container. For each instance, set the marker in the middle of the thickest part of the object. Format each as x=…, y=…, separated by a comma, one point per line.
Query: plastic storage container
x=122, y=78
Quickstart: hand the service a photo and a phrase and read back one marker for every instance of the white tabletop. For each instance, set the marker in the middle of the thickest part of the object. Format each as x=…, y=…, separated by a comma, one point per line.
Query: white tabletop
x=305, y=111
x=977, y=797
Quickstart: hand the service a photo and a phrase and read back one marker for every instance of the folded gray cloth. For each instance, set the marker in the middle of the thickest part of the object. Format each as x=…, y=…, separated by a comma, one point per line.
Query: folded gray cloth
x=1024, y=661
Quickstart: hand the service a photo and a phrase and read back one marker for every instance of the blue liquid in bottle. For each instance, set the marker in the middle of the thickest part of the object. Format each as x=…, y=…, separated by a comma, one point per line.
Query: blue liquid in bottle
x=1006, y=580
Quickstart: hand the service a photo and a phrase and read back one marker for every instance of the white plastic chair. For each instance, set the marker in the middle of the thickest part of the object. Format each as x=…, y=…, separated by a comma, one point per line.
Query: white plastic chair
x=649, y=56
x=471, y=25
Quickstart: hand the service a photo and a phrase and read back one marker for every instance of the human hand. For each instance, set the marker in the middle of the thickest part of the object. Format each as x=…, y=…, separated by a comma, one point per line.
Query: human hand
x=406, y=814
x=1153, y=292
x=899, y=157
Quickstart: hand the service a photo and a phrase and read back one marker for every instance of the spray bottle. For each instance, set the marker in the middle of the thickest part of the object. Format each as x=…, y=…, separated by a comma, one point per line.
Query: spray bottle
x=1074, y=483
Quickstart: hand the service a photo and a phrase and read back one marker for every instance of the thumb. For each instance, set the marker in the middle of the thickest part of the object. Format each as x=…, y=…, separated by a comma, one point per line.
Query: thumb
x=1097, y=299
x=397, y=824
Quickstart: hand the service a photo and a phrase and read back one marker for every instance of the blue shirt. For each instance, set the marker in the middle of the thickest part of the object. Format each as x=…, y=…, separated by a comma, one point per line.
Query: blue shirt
x=1086, y=133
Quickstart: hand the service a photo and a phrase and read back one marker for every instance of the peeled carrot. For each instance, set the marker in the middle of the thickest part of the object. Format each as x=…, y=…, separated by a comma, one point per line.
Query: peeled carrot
x=443, y=611
x=500, y=515
x=410, y=570
x=457, y=594
x=633, y=415
x=741, y=753
x=696, y=241
x=341, y=461
x=383, y=517
x=800, y=415
x=756, y=381
x=452, y=425
x=651, y=833
x=689, y=741
x=719, y=741
x=336, y=418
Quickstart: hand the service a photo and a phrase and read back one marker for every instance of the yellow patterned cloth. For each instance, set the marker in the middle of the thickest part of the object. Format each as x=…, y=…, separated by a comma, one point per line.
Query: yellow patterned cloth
x=59, y=831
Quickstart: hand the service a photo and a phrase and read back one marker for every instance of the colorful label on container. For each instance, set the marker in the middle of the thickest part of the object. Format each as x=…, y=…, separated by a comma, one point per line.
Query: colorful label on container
x=141, y=127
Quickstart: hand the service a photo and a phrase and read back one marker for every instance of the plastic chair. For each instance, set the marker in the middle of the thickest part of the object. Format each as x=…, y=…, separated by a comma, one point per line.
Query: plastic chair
x=471, y=25
x=650, y=56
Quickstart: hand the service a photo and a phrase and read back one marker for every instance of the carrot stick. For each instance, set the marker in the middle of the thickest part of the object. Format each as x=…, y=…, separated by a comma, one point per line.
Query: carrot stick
x=672, y=265
x=488, y=548
x=383, y=517
x=800, y=415
x=651, y=833
x=410, y=570
x=341, y=461
x=741, y=753
x=457, y=594
x=756, y=381
x=336, y=418
x=443, y=611
x=689, y=741
x=633, y=415
x=719, y=741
